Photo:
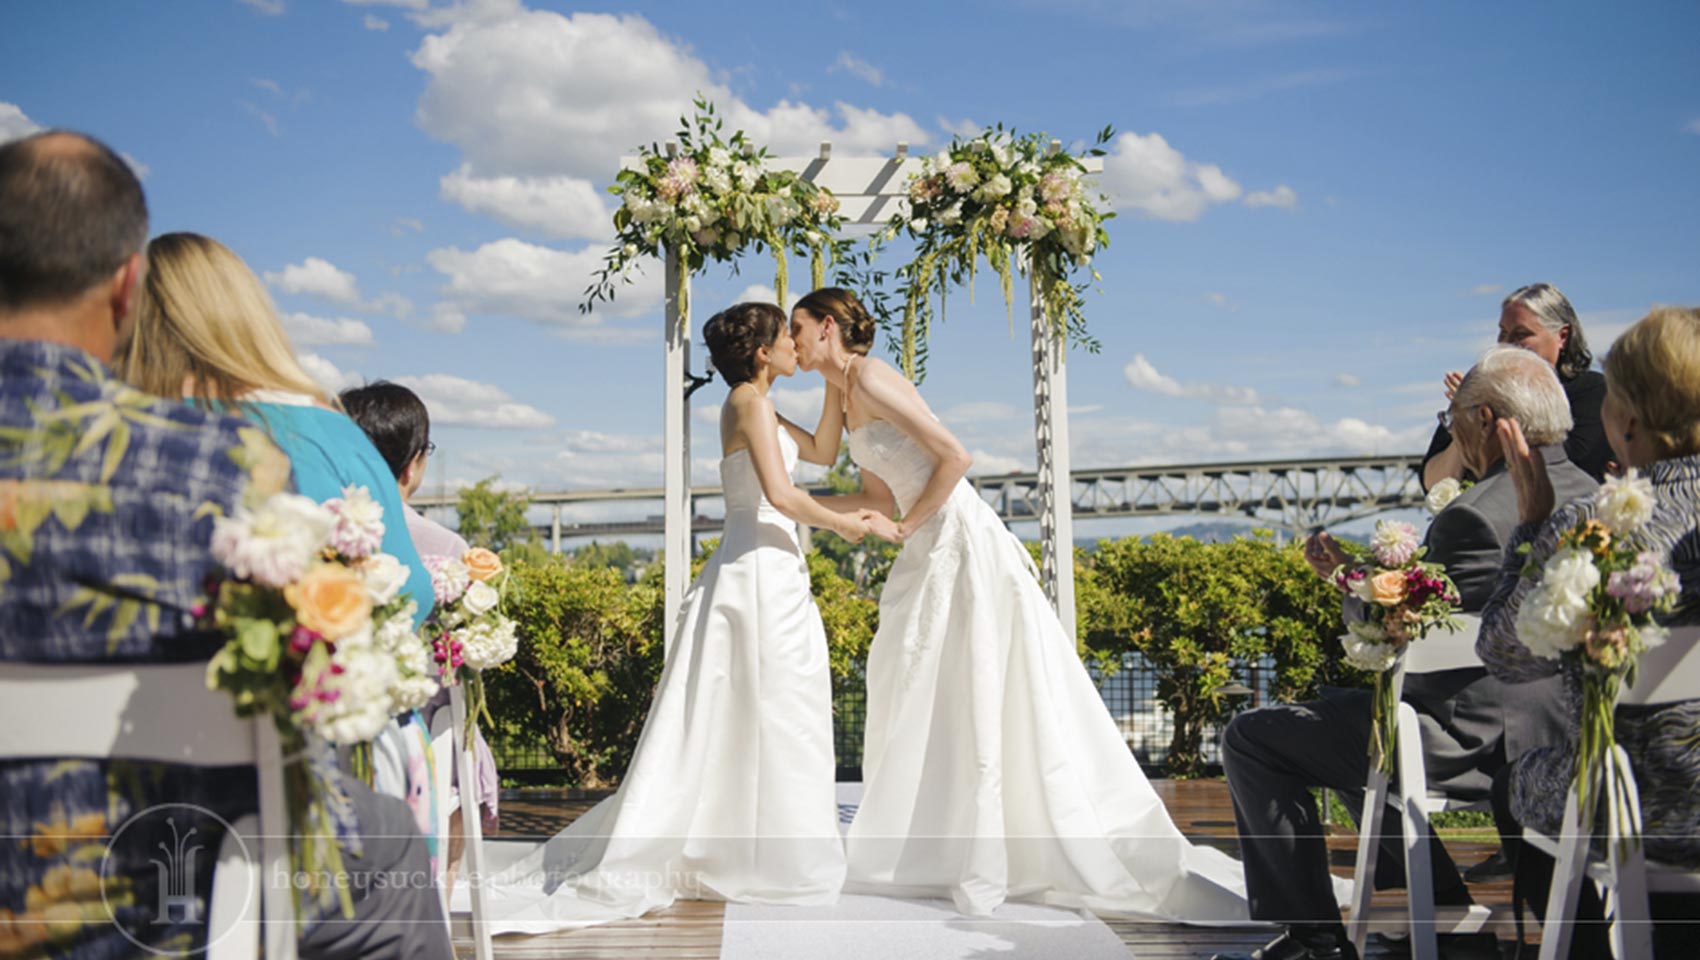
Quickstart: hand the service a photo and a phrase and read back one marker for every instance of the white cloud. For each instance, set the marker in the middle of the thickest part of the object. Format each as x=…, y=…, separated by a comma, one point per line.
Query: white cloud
x=848, y=62
x=1141, y=375
x=1485, y=289
x=457, y=401
x=327, y=373
x=13, y=124
x=404, y=224
x=557, y=206
x=536, y=93
x=541, y=284
x=990, y=464
x=266, y=119
x=403, y=4
x=319, y=278
x=1693, y=126
x=306, y=330
x=1145, y=173
x=1347, y=380
x=1282, y=196
x=374, y=23
x=799, y=405
x=269, y=8
x=265, y=84
x=762, y=293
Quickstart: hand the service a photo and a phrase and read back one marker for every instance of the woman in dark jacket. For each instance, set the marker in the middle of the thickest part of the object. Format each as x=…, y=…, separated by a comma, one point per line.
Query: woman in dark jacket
x=1539, y=318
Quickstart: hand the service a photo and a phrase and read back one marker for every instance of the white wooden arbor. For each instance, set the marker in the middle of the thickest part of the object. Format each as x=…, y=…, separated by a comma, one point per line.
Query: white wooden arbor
x=870, y=191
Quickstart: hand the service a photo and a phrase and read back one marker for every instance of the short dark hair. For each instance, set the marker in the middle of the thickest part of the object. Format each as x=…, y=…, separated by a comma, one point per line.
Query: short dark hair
x=71, y=213
x=393, y=417
x=735, y=334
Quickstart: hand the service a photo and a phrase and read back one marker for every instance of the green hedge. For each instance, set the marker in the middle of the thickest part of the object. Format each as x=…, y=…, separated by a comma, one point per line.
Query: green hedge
x=591, y=645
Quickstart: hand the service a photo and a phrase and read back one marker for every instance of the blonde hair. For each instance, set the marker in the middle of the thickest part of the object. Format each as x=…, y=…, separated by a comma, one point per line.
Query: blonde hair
x=206, y=324
x=1654, y=367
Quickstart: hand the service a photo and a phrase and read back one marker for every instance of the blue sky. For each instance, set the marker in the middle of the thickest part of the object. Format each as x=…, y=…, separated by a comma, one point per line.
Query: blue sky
x=1321, y=204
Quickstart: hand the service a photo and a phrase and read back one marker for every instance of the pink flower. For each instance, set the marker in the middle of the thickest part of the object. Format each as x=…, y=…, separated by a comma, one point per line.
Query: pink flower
x=358, y=529
x=1395, y=542
x=449, y=578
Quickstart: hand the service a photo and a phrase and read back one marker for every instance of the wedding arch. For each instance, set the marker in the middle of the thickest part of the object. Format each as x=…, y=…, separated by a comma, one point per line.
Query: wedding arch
x=1018, y=203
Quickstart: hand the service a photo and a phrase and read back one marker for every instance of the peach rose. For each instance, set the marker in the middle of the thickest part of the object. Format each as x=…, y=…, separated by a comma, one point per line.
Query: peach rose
x=331, y=600
x=1388, y=587
x=481, y=564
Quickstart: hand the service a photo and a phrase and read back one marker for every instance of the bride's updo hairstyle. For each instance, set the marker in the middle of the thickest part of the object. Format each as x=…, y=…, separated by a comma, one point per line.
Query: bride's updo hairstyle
x=735, y=334
x=855, y=327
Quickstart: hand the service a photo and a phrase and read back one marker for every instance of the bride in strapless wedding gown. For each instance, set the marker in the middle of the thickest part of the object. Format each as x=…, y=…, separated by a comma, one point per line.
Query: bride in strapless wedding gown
x=992, y=769
x=730, y=793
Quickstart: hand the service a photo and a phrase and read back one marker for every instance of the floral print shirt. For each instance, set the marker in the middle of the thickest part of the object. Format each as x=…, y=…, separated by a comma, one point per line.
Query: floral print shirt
x=107, y=502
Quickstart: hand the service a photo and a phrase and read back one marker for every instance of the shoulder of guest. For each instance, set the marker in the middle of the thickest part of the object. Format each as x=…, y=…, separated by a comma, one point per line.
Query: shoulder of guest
x=1588, y=383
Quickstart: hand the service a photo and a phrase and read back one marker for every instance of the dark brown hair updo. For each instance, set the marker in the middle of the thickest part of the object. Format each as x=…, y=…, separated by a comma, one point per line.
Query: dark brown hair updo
x=735, y=334
x=855, y=327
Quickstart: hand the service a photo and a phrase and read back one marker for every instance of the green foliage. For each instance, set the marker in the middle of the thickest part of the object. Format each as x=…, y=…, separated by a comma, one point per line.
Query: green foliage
x=494, y=519
x=1196, y=610
x=589, y=654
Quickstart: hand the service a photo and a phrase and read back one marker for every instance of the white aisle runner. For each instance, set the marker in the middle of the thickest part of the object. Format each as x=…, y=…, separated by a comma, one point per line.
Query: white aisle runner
x=862, y=927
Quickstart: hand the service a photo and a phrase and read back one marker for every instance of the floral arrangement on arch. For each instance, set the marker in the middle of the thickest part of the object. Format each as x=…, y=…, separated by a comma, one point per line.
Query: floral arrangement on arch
x=1594, y=604
x=321, y=640
x=1401, y=600
x=1017, y=202
x=468, y=630
x=710, y=201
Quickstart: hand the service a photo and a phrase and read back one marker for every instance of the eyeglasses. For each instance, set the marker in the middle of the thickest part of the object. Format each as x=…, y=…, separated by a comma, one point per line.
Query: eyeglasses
x=430, y=448
x=1445, y=418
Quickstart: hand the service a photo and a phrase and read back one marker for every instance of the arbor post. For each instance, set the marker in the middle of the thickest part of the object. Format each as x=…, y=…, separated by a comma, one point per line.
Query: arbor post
x=1055, y=489
x=676, y=507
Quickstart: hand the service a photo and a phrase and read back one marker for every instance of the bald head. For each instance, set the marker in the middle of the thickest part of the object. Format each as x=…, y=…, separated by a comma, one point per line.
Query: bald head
x=71, y=215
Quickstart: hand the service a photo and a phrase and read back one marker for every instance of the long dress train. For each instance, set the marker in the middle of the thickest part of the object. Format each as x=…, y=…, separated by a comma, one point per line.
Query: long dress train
x=992, y=768
x=730, y=794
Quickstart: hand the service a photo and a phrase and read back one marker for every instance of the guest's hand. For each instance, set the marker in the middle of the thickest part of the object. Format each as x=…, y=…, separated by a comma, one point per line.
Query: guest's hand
x=1528, y=469
x=882, y=526
x=1453, y=379
x=1324, y=555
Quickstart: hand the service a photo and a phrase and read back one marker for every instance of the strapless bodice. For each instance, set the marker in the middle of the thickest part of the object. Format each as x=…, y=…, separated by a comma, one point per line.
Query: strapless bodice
x=743, y=488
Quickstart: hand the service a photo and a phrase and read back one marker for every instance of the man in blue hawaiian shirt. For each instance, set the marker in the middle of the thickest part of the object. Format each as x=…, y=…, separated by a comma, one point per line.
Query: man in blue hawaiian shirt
x=107, y=500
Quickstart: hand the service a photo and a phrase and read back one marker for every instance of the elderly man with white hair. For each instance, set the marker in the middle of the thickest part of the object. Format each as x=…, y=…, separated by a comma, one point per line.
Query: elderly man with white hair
x=1274, y=755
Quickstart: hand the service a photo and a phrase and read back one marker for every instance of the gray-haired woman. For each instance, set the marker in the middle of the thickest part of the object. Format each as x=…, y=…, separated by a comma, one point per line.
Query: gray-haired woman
x=1539, y=318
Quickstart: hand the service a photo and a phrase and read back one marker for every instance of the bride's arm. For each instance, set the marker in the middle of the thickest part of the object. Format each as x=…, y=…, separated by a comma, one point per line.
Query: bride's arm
x=888, y=396
x=821, y=446
x=875, y=496
x=758, y=424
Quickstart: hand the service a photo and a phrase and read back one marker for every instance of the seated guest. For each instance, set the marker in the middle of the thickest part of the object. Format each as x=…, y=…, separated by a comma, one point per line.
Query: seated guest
x=1652, y=419
x=400, y=427
x=1274, y=755
x=1540, y=319
x=206, y=331
x=72, y=224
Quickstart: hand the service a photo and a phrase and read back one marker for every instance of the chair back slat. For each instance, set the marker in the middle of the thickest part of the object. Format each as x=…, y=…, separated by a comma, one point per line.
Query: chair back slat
x=1669, y=672
x=162, y=712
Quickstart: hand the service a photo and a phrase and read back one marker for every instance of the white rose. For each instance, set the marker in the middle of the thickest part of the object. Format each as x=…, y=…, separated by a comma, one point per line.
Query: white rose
x=384, y=577
x=1571, y=575
x=1443, y=493
x=1625, y=503
x=480, y=598
x=629, y=251
x=718, y=157
x=1367, y=655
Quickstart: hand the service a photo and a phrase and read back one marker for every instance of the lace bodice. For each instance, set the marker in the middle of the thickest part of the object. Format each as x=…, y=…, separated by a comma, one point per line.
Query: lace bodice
x=743, y=488
x=880, y=448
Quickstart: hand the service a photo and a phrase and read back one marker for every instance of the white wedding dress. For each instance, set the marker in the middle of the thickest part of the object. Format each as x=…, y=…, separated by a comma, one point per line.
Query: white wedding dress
x=992, y=769
x=730, y=792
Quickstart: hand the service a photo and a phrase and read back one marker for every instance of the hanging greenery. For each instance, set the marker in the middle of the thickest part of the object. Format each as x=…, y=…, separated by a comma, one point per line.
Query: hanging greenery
x=1018, y=203
x=711, y=200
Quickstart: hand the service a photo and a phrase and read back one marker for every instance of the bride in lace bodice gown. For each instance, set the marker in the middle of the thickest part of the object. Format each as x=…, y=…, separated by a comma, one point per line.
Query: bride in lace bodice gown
x=992, y=769
x=729, y=794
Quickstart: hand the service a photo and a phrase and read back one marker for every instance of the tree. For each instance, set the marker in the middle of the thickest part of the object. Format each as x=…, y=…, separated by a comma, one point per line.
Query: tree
x=493, y=518
x=1196, y=610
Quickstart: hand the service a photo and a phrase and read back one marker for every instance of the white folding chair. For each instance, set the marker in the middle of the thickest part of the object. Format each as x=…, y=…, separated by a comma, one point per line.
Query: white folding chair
x=165, y=713
x=1666, y=674
x=1439, y=651
x=448, y=743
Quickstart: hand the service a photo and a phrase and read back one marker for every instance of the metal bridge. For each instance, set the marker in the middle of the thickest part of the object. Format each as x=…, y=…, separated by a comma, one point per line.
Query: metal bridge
x=1297, y=495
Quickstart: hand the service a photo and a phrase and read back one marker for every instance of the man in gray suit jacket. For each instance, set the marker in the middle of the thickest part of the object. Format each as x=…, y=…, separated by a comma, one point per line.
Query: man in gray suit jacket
x=1471, y=726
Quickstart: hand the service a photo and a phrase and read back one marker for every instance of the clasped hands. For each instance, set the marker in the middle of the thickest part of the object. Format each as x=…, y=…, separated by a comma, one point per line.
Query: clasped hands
x=866, y=521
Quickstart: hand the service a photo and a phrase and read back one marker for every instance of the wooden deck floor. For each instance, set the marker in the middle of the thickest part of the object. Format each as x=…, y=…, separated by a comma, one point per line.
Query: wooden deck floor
x=691, y=930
